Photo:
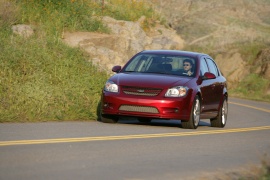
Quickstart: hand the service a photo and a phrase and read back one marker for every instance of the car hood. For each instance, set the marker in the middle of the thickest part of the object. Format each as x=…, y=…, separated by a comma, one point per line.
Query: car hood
x=149, y=80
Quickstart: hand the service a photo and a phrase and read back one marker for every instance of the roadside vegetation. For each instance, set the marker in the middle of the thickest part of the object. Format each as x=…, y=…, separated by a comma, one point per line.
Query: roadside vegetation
x=41, y=78
x=254, y=86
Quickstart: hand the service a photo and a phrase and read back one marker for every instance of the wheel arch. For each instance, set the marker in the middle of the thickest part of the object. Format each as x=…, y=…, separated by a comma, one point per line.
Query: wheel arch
x=199, y=94
x=194, y=94
x=224, y=96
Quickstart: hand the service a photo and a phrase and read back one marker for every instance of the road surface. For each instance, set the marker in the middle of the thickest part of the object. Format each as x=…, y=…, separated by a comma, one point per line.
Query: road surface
x=130, y=150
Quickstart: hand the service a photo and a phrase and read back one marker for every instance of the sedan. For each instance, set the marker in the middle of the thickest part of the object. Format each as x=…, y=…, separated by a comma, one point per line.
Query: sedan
x=166, y=84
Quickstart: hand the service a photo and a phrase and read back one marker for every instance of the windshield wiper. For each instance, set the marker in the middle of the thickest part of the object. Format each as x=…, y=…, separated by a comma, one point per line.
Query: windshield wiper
x=128, y=71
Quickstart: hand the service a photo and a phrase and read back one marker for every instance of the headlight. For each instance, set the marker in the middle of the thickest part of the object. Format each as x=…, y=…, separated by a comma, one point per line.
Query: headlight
x=111, y=87
x=178, y=91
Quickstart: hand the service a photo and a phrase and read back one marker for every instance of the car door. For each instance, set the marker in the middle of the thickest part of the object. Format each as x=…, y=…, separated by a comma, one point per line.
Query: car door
x=215, y=85
x=205, y=87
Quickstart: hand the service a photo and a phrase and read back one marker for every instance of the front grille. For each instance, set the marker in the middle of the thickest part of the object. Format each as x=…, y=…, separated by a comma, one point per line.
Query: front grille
x=143, y=109
x=139, y=91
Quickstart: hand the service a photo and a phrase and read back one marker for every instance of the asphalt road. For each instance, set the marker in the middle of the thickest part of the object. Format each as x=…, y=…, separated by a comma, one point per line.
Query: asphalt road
x=130, y=150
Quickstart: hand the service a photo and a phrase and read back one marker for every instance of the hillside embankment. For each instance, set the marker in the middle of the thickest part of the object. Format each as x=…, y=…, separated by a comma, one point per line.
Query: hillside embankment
x=54, y=70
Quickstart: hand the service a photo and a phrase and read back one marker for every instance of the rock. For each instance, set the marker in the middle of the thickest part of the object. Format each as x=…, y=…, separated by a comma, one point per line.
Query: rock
x=164, y=38
x=105, y=50
x=126, y=39
x=23, y=30
x=133, y=34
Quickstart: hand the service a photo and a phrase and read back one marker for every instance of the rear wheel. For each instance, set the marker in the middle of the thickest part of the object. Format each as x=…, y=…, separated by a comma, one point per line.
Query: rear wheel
x=221, y=119
x=194, y=116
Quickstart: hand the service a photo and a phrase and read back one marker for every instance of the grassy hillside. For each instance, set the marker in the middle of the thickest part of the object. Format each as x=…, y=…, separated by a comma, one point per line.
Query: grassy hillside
x=41, y=78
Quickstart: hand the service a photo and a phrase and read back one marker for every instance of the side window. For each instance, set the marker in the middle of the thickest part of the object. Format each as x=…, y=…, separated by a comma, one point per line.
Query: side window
x=203, y=67
x=212, y=67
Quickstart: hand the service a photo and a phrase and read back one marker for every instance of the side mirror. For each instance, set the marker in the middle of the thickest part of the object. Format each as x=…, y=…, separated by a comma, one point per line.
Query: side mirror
x=116, y=69
x=208, y=75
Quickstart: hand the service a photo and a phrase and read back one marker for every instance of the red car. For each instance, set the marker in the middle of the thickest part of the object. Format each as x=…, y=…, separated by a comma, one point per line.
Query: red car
x=167, y=84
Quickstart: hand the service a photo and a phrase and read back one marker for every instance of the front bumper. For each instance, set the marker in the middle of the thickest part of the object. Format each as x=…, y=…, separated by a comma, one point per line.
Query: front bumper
x=141, y=106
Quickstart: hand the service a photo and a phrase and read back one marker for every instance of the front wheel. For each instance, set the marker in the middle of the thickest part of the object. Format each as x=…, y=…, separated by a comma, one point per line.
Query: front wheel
x=194, y=116
x=108, y=118
x=221, y=119
x=104, y=117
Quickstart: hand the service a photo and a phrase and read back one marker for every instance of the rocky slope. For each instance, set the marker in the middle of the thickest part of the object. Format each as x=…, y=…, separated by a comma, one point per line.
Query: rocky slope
x=222, y=22
x=126, y=39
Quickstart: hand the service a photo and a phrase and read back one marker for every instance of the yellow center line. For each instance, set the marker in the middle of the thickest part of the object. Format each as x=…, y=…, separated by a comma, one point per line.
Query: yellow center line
x=125, y=137
x=253, y=107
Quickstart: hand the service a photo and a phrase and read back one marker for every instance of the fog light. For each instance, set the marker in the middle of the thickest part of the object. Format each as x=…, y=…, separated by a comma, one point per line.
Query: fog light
x=170, y=110
x=108, y=106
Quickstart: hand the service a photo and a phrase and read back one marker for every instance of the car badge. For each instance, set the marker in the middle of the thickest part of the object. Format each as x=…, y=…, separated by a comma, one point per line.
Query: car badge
x=140, y=90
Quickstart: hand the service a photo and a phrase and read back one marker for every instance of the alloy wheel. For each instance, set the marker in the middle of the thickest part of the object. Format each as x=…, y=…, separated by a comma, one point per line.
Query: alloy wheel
x=196, y=112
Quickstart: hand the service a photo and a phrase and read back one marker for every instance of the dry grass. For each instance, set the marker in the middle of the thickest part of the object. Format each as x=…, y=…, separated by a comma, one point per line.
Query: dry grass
x=9, y=12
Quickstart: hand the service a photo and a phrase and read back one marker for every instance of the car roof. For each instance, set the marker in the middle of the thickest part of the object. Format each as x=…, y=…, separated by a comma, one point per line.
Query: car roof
x=174, y=52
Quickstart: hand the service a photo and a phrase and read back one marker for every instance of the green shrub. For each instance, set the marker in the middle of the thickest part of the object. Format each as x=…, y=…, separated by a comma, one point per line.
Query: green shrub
x=253, y=87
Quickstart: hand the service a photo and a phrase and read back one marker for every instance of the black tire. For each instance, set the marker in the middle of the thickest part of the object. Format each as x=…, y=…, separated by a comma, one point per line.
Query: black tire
x=194, y=120
x=104, y=117
x=99, y=112
x=221, y=119
x=108, y=118
x=145, y=120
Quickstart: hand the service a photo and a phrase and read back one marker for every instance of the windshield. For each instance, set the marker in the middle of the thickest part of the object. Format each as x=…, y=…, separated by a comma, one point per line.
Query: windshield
x=162, y=64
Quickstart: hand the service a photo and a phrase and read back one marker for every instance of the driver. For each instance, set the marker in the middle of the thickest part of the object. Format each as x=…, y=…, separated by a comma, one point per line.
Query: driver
x=187, y=67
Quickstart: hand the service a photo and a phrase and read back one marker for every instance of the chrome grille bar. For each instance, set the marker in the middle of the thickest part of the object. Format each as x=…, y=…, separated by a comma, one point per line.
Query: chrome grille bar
x=141, y=91
x=143, y=109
